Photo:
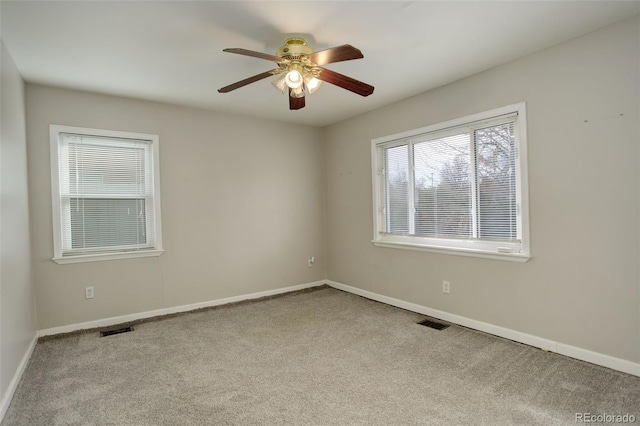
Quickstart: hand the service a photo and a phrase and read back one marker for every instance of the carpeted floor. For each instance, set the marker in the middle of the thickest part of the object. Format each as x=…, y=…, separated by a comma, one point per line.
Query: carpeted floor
x=322, y=357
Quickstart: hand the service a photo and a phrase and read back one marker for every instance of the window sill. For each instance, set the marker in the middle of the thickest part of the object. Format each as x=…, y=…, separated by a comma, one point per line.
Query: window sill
x=107, y=256
x=512, y=257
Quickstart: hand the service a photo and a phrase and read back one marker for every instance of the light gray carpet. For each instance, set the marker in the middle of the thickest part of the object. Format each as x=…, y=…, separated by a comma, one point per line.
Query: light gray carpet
x=321, y=358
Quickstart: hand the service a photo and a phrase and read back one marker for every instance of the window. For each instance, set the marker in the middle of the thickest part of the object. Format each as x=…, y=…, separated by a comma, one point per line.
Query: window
x=455, y=187
x=106, y=194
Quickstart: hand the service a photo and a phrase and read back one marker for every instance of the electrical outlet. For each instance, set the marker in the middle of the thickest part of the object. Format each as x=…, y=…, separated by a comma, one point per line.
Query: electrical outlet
x=311, y=261
x=446, y=286
x=88, y=293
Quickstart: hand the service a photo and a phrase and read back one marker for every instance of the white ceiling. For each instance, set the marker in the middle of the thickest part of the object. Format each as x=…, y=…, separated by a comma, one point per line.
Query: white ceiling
x=171, y=51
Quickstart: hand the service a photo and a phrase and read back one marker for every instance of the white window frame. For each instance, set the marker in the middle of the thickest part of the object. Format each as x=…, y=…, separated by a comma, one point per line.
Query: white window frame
x=60, y=258
x=518, y=252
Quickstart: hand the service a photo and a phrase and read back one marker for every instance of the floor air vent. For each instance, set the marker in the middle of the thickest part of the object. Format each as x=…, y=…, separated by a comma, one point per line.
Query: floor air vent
x=115, y=331
x=431, y=324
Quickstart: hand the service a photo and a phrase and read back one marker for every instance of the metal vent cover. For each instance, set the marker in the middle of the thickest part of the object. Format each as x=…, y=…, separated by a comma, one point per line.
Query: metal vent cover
x=433, y=324
x=116, y=331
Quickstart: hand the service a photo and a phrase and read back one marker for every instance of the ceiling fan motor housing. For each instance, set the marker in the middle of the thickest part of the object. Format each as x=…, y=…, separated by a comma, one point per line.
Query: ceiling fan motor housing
x=294, y=47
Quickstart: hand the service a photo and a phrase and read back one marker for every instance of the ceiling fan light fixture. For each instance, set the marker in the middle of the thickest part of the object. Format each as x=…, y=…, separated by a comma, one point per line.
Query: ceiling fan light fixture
x=281, y=84
x=293, y=78
x=311, y=83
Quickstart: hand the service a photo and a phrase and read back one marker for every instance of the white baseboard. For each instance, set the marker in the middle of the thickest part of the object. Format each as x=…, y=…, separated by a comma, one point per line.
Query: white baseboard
x=105, y=322
x=539, y=342
x=528, y=339
x=13, y=385
x=599, y=359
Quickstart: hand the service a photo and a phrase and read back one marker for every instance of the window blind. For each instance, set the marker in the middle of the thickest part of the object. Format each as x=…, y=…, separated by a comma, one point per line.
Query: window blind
x=397, y=173
x=459, y=183
x=106, y=194
x=496, y=182
x=443, y=187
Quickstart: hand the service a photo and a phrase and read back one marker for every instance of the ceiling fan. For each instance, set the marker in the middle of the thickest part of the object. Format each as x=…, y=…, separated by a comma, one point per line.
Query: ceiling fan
x=300, y=70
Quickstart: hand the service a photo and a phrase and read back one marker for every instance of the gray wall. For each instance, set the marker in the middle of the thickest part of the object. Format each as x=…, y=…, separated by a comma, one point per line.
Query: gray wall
x=17, y=310
x=242, y=208
x=581, y=287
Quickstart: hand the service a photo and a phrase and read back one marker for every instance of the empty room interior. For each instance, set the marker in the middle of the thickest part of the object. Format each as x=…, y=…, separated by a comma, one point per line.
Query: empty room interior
x=351, y=212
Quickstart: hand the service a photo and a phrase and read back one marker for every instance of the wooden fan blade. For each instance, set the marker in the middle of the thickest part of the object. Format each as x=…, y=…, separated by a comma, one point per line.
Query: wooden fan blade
x=346, y=52
x=295, y=103
x=246, y=81
x=254, y=54
x=341, y=80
